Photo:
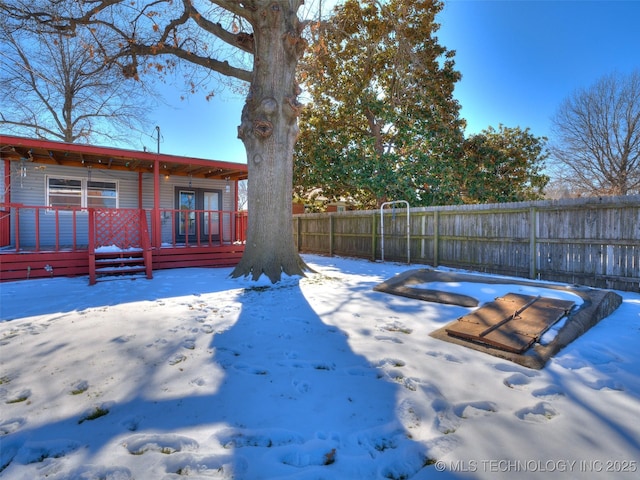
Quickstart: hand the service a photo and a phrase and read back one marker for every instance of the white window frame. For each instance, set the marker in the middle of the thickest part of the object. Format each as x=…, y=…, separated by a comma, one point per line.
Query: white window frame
x=83, y=189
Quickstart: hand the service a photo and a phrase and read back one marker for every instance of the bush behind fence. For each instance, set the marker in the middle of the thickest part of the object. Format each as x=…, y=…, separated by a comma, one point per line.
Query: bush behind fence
x=587, y=241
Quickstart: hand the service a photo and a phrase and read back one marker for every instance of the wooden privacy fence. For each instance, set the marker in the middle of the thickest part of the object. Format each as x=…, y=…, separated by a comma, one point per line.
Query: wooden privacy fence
x=587, y=241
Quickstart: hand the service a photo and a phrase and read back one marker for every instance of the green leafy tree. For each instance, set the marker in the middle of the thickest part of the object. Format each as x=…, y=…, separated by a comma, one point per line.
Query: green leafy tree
x=504, y=165
x=382, y=122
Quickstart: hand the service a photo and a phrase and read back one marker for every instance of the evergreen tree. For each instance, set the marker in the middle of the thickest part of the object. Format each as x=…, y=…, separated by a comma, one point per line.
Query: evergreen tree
x=504, y=165
x=382, y=123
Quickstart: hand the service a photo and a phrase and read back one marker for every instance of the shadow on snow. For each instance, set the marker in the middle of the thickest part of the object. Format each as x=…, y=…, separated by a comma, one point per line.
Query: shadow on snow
x=307, y=407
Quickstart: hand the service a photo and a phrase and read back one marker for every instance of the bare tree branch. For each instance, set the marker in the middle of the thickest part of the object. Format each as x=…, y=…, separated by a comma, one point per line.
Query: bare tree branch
x=597, y=137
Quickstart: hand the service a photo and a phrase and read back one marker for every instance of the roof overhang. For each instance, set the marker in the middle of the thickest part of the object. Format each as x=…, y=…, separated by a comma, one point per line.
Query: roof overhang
x=89, y=156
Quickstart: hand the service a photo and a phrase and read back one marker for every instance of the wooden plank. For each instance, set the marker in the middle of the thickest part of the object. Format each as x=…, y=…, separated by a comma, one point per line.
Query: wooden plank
x=511, y=323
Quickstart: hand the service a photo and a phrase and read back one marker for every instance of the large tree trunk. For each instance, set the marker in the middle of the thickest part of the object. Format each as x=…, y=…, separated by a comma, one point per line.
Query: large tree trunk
x=268, y=130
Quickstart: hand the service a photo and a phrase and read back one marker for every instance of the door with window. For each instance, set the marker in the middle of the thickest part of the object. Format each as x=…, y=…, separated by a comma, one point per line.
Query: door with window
x=198, y=214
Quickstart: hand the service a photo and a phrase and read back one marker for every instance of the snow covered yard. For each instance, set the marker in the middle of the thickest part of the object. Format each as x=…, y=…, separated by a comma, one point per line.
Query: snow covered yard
x=195, y=375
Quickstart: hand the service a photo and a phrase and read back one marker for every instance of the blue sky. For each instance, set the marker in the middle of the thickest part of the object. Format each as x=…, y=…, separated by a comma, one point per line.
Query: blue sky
x=518, y=59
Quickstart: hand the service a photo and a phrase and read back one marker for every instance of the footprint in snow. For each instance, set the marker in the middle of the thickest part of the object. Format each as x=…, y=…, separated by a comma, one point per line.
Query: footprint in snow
x=363, y=371
x=38, y=451
x=123, y=338
x=602, y=356
x=92, y=471
x=444, y=356
x=313, y=453
x=398, y=377
x=396, y=327
x=604, y=384
x=177, y=358
x=409, y=414
x=242, y=367
x=268, y=438
x=11, y=425
x=391, y=362
x=517, y=381
x=446, y=420
x=475, y=409
x=541, y=412
x=510, y=368
x=205, y=466
x=206, y=328
x=406, y=462
x=162, y=443
x=198, y=382
x=327, y=366
x=79, y=387
x=301, y=386
x=132, y=423
x=18, y=397
x=549, y=392
x=570, y=363
x=384, y=338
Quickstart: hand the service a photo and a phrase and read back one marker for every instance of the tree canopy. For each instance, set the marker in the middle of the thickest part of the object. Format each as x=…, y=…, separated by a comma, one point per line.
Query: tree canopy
x=382, y=122
x=596, y=144
x=54, y=86
x=504, y=165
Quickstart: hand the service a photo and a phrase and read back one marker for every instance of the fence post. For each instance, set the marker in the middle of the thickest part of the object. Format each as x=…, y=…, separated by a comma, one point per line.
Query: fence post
x=532, y=242
x=374, y=228
x=331, y=234
x=423, y=233
x=436, y=228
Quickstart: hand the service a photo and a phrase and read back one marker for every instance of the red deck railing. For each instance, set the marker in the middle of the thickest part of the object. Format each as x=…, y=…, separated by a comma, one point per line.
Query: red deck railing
x=5, y=227
x=67, y=227
x=203, y=227
x=38, y=228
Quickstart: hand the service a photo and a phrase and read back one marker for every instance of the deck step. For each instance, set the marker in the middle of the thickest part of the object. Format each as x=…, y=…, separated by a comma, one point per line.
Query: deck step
x=118, y=264
x=118, y=261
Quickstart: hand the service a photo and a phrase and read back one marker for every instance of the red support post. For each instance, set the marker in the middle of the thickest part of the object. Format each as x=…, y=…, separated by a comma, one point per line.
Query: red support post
x=155, y=220
x=17, y=229
x=57, y=230
x=37, y=222
x=92, y=247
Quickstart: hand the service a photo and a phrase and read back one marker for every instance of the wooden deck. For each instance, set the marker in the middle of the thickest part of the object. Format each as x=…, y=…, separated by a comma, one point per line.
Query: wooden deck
x=52, y=262
x=53, y=241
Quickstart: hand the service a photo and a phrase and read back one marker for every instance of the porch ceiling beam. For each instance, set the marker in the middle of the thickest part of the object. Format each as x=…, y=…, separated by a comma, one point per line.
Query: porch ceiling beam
x=132, y=165
x=53, y=157
x=67, y=154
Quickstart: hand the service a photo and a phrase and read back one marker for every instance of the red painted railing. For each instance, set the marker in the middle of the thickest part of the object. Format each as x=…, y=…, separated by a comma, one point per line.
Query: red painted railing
x=5, y=227
x=68, y=227
x=146, y=243
x=40, y=228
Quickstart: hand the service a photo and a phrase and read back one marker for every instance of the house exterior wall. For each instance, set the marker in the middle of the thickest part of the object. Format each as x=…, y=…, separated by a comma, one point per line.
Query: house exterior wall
x=30, y=189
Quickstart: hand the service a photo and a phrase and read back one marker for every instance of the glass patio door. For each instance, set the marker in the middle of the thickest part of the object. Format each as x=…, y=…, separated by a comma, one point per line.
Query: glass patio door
x=211, y=215
x=187, y=216
x=198, y=213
